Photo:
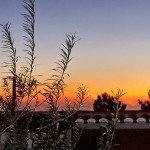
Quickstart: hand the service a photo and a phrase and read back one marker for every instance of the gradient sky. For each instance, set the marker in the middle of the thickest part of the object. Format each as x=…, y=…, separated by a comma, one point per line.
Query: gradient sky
x=114, y=50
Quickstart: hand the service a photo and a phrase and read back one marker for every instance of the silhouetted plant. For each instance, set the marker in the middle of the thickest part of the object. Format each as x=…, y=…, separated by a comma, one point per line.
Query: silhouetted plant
x=20, y=85
x=52, y=133
x=106, y=140
x=105, y=102
x=56, y=134
x=48, y=137
x=145, y=105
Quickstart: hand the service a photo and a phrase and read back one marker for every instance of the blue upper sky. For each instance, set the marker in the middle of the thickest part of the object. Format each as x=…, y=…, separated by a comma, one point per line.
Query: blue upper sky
x=114, y=50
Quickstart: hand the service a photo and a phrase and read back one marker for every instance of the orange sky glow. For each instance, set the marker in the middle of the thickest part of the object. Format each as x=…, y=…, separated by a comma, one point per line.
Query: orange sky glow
x=114, y=50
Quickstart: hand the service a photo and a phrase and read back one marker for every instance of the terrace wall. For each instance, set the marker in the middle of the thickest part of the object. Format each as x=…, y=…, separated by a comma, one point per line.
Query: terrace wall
x=132, y=133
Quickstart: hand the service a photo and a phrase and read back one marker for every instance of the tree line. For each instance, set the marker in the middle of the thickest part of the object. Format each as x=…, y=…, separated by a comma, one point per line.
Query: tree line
x=106, y=102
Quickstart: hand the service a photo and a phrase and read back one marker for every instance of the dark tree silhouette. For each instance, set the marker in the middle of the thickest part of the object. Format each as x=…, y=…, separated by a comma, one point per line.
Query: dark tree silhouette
x=145, y=105
x=105, y=102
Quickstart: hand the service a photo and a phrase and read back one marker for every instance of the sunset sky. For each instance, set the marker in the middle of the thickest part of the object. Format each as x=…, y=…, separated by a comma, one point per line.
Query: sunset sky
x=114, y=50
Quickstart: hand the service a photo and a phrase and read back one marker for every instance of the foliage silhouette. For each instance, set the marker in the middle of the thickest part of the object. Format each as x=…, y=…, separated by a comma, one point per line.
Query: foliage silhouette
x=105, y=102
x=145, y=105
x=106, y=140
x=21, y=89
x=52, y=133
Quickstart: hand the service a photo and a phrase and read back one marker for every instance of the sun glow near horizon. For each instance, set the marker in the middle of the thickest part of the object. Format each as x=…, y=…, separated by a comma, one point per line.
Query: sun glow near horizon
x=130, y=98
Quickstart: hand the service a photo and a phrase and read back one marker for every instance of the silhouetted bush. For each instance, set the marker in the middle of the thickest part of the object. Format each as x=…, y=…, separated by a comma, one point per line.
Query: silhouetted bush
x=145, y=105
x=105, y=102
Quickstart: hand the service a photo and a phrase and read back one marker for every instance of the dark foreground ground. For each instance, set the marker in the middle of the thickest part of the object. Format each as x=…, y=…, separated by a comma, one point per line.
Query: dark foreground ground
x=129, y=139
